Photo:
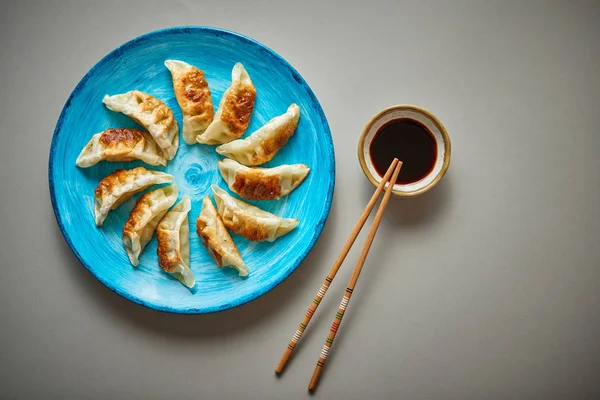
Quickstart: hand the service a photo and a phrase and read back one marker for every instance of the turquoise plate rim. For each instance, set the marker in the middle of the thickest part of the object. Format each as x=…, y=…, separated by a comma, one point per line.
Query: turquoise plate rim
x=116, y=53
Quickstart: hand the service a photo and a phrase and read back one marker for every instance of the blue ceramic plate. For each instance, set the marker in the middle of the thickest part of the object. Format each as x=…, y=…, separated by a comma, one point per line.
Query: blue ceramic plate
x=138, y=64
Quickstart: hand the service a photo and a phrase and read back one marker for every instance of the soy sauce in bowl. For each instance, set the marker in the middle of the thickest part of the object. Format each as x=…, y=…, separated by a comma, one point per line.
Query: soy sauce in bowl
x=414, y=136
x=409, y=141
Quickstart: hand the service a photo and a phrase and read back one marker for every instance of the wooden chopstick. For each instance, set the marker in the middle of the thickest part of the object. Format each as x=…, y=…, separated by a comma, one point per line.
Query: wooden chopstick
x=336, y=266
x=353, y=279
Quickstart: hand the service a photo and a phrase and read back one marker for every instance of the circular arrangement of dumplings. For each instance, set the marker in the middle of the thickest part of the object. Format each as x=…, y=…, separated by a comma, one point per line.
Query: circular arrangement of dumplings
x=158, y=210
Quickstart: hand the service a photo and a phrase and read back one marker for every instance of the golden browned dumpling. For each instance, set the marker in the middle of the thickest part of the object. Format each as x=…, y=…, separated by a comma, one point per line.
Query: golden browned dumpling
x=193, y=96
x=235, y=109
x=249, y=221
x=173, y=235
x=121, y=144
x=152, y=114
x=262, y=183
x=217, y=240
x=263, y=144
x=119, y=186
x=144, y=218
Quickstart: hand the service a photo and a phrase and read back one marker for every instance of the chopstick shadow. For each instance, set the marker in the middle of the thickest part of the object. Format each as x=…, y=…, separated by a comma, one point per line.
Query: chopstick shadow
x=403, y=214
x=227, y=323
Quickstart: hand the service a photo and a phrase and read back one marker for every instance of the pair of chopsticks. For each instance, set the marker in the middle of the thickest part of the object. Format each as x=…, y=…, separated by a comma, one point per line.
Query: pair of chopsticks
x=392, y=171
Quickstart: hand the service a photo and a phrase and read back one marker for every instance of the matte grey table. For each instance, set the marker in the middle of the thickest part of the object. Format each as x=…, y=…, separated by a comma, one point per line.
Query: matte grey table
x=484, y=288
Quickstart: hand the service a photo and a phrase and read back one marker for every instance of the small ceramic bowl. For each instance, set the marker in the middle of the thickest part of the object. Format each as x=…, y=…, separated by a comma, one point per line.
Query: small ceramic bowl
x=434, y=126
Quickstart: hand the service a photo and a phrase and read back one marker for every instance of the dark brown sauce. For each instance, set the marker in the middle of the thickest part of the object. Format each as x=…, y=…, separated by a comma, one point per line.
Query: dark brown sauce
x=408, y=141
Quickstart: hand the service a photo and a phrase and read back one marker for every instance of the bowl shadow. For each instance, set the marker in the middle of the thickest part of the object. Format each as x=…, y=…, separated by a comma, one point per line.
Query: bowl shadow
x=408, y=212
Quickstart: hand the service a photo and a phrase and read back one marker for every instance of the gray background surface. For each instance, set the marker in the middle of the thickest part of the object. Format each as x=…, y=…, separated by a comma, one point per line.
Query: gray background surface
x=484, y=288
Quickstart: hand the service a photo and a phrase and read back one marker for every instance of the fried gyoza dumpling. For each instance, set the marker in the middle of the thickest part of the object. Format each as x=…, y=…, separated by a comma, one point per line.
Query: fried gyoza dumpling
x=144, y=218
x=235, y=108
x=119, y=186
x=121, y=145
x=217, y=240
x=152, y=114
x=249, y=221
x=262, y=183
x=193, y=96
x=173, y=235
x=263, y=144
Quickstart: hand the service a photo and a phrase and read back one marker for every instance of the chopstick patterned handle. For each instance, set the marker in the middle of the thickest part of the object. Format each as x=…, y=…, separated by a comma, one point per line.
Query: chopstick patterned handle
x=336, y=266
x=307, y=317
x=331, y=337
x=352, y=284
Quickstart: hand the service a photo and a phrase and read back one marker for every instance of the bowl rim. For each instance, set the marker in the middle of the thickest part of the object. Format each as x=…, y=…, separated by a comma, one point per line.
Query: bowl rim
x=434, y=119
x=188, y=29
